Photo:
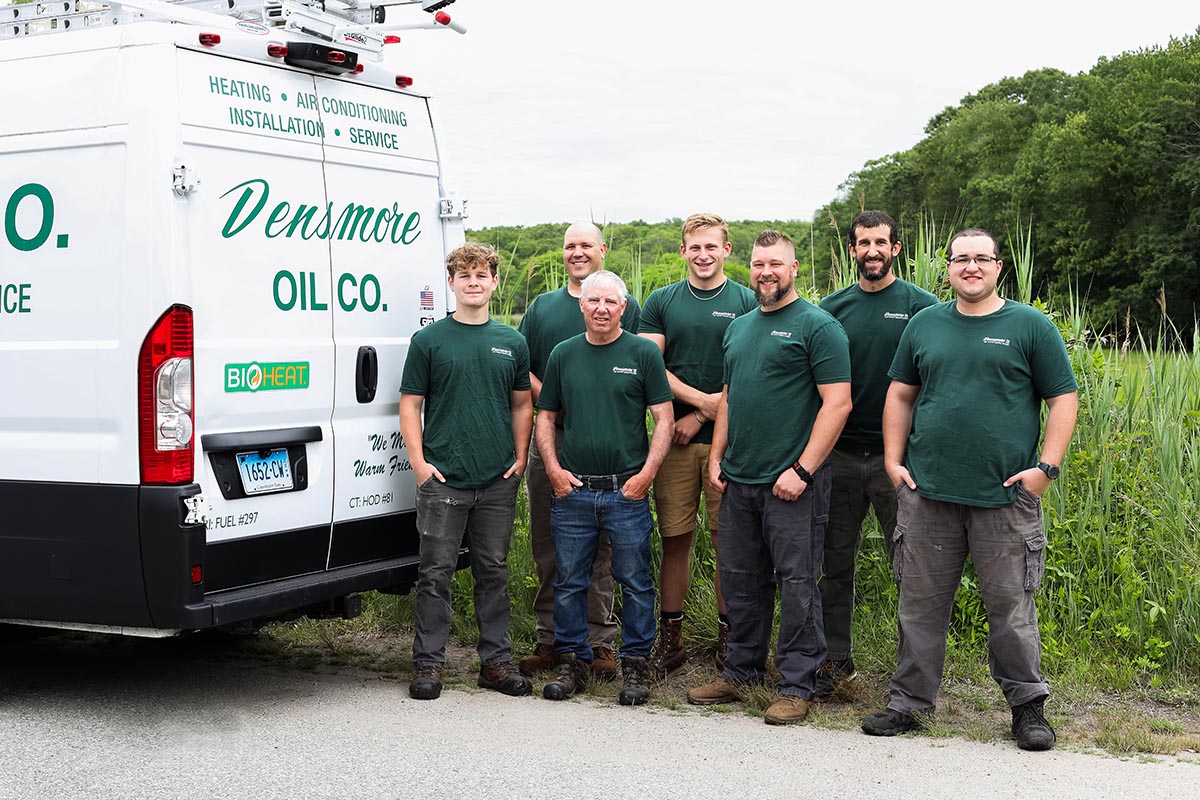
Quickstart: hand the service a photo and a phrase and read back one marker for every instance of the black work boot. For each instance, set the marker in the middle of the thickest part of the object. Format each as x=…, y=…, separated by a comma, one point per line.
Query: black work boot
x=635, y=671
x=426, y=684
x=1030, y=728
x=668, y=656
x=570, y=678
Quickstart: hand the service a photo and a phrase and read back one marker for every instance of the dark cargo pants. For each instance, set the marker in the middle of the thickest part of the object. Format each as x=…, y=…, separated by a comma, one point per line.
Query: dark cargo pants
x=444, y=515
x=859, y=483
x=1008, y=548
x=767, y=542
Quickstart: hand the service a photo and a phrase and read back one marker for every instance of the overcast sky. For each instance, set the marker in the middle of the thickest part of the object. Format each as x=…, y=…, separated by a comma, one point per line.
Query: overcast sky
x=618, y=110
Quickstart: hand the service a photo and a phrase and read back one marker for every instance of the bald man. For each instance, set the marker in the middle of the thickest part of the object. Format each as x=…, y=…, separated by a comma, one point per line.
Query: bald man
x=551, y=318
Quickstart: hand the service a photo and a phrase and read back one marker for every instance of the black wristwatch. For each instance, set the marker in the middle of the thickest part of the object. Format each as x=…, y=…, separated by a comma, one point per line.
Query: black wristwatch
x=804, y=474
x=1050, y=469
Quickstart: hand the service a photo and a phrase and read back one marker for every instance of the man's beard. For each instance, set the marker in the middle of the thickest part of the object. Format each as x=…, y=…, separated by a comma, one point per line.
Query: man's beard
x=866, y=274
x=781, y=290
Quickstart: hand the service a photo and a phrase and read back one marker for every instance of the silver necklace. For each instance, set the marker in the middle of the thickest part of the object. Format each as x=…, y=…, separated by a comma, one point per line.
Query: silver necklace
x=704, y=299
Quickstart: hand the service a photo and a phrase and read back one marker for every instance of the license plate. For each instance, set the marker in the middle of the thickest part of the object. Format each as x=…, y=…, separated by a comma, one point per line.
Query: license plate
x=269, y=473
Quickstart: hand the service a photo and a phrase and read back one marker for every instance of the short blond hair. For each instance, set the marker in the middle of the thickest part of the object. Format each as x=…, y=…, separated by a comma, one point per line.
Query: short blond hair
x=700, y=222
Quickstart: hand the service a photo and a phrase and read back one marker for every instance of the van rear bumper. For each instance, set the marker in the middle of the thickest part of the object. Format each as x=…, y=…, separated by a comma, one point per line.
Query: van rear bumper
x=122, y=556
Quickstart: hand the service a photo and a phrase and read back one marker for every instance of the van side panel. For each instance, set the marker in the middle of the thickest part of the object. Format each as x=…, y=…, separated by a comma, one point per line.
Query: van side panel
x=389, y=279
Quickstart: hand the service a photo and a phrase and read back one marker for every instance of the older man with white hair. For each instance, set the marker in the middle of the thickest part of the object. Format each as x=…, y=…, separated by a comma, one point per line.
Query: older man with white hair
x=552, y=318
x=602, y=382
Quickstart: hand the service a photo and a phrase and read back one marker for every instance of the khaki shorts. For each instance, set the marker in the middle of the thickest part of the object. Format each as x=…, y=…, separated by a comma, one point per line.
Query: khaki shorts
x=677, y=487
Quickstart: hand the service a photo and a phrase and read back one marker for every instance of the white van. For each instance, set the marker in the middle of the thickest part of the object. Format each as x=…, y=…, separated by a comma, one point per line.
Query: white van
x=218, y=238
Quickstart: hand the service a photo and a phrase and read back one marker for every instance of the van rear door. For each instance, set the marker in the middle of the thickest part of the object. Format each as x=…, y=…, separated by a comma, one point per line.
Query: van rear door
x=381, y=170
x=256, y=236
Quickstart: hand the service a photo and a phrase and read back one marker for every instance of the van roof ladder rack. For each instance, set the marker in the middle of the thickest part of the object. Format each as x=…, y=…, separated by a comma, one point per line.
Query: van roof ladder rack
x=358, y=25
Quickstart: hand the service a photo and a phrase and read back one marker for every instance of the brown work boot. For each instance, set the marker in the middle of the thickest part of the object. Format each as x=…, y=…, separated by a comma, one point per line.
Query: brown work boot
x=604, y=663
x=426, y=684
x=786, y=710
x=722, y=644
x=710, y=694
x=504, y=678
x=668, y=656
x=542, y=659
x=570, y=679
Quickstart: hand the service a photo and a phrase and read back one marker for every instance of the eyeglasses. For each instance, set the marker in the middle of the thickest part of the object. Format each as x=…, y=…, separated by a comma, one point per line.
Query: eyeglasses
x=983, y=261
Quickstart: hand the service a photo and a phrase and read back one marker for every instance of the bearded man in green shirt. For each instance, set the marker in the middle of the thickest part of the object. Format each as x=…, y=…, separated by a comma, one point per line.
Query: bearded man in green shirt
x=785, y=400
x=874, y=311
x=960, y=433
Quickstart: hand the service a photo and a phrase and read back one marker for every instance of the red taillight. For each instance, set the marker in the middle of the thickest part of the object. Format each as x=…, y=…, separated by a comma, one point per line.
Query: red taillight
x=277, y=50
x=165, y=417
x=210, y=39
x=403, y=81
x=358, y=69
x=335, y=57
x=197, y=575
x=391, y=40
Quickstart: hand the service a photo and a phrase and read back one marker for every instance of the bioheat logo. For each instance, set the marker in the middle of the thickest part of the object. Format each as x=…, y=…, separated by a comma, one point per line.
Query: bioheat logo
x=256, y=377
x=316, y=221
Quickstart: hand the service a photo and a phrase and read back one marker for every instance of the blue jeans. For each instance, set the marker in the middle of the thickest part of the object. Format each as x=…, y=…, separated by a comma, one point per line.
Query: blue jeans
x=577, y=521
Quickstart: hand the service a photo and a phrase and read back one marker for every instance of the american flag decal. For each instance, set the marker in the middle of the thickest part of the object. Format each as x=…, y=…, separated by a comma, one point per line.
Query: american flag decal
x=426, y=298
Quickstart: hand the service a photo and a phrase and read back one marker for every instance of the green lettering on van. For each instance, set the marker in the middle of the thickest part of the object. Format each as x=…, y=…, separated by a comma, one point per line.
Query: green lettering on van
x=286, y=219
x=42, y=195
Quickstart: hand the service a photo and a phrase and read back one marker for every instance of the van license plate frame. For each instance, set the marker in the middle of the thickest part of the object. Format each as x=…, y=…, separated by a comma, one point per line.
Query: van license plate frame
x=269, y=479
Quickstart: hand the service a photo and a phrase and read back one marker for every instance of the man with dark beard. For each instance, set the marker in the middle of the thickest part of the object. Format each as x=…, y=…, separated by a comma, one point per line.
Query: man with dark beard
x=874, y=313
x=785, y=398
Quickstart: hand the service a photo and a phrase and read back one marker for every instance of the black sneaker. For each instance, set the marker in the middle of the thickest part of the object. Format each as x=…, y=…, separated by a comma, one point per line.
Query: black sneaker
x=426, y=684
x=890, y=722
x=571, y=677
x=635, y=690
x=1030, y=728
x=831, y=675
x=504, y=678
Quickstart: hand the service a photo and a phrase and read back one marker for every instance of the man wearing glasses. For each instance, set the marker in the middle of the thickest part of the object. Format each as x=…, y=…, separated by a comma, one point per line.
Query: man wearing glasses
x=960, y=433
x=874, y=311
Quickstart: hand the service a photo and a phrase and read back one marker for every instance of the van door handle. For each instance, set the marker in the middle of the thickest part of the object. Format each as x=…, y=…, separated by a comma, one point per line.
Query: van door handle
x=366, y=374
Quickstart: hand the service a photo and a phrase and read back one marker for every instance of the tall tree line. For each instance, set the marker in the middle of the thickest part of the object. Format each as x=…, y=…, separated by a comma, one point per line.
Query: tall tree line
x=1103, y=167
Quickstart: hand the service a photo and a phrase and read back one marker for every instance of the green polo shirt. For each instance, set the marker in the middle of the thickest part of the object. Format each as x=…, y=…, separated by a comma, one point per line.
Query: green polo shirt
x=604, y=391
x=467, y=374
x=774, y=363
x=693, y=322
x=977, y=418
x=874, y=322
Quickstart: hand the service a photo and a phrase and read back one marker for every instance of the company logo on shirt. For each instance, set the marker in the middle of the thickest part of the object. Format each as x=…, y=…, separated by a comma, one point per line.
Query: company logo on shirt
x=725, y=314
x=991, y=340
x=784, y=334
x=625, y=370
x=500, y=352
x=894, y=315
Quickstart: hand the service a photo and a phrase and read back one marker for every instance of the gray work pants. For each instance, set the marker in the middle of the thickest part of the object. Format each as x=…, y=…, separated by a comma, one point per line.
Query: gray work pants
x=602, y=625
x=767, y=542
x=444, y=515
x=1008, y=548
x=859, y=482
